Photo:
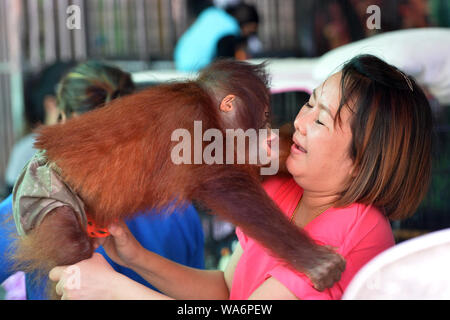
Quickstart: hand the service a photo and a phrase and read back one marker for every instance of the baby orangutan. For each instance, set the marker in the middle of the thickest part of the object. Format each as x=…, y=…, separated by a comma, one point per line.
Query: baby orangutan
x=117, y=159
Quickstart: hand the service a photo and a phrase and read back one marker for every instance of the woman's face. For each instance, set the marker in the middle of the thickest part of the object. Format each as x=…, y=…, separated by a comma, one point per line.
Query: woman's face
x=319, y=160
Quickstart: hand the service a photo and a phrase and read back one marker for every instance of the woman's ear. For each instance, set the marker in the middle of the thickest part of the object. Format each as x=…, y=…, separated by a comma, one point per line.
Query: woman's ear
x=227, y=103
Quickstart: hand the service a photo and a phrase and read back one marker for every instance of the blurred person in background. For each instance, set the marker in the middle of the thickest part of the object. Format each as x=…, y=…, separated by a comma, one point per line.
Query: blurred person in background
x=177, y=236
x=336, y=23
x=40, y=108
x=246, y=45
x=414, y=14
x=197, y=47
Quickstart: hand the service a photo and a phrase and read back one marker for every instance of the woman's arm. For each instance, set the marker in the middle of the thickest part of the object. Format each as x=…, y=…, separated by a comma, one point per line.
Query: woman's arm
x=178, y=281
x=94, y=279
x=174, y=280
x=181, y=282
x=272, y=289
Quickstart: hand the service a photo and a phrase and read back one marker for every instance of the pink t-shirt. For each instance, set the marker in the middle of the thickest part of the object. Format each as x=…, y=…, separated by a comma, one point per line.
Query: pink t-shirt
x=359, y=232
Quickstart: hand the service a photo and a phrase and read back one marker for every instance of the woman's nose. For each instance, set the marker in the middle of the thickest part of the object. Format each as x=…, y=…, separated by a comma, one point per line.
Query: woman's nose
x=300, y=122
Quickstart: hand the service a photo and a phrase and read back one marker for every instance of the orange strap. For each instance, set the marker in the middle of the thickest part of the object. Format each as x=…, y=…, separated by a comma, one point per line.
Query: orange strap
x=94, y=231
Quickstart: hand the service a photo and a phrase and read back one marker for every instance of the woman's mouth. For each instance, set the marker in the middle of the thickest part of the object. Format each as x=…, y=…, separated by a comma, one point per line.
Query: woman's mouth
x=297, y=148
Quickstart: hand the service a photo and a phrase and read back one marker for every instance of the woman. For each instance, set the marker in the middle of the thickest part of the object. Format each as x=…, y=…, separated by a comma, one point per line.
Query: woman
x=361, y=156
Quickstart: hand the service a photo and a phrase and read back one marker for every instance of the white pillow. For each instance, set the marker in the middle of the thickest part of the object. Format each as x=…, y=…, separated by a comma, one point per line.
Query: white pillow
x=414, y=269
x=422, y=53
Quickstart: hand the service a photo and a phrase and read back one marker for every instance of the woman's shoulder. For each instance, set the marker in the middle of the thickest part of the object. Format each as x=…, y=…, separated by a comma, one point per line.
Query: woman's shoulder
x=372, y=224
x=360, y=212
x=367, y=217
x=352, y=226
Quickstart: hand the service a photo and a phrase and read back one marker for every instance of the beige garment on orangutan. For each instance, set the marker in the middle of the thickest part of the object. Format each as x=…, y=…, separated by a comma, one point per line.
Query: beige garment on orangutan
x=40, y=189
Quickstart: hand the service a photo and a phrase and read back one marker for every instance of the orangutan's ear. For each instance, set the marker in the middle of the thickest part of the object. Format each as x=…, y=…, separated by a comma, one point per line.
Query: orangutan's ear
x=227, y=103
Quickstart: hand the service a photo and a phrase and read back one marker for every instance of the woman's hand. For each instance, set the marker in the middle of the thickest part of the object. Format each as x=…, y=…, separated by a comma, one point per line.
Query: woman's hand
x=121, y=246
x=90, y=279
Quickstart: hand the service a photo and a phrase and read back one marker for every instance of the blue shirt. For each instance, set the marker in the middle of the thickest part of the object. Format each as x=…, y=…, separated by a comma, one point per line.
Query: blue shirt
x=197, y=47
x=177, y=236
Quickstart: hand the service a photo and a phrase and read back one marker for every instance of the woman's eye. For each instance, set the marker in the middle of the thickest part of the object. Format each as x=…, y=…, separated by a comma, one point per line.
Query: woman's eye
x=318, y=122
x=308, y=105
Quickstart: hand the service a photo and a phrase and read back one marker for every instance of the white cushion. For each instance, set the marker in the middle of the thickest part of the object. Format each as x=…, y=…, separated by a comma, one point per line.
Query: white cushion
x=414, y=269
x=423, y=53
